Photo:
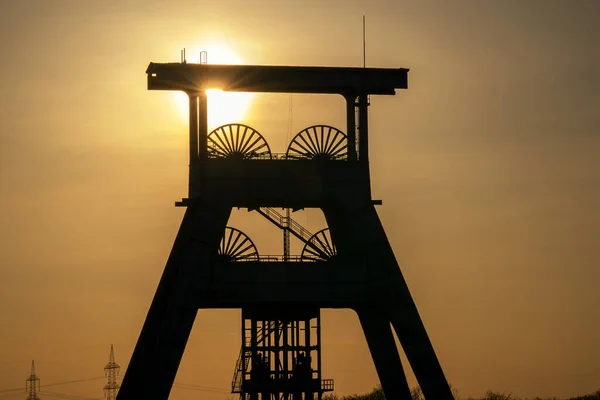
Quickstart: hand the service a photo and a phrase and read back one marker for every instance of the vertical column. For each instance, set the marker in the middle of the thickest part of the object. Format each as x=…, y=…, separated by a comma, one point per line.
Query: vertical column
x=297, y=378
x=309, y=376
x=267, y=354
x=363, y=128
x=277, y=350
x=253, y=359
x=319, y=374
x=193, y=99
x=351, y=126
x=286, y=236
x=203, y=125
x=245, y=341
x=285, y=346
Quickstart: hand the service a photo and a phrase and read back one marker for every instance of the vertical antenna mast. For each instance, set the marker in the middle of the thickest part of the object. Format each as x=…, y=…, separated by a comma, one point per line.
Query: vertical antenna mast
x=365, y=55
x=364, y=43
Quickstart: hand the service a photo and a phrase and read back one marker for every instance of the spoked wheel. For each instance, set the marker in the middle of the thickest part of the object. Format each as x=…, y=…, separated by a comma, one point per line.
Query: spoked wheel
x=237, y=141
x=319, y=247
x=319, y=142
x=236, y=246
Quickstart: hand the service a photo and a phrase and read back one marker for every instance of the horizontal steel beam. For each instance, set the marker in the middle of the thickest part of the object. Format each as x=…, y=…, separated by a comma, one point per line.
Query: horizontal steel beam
x=276, y=79
x=293, y=184
x=318, y=284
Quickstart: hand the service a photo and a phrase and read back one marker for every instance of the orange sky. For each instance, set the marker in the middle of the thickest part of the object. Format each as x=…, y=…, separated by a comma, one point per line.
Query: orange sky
x=487, y=166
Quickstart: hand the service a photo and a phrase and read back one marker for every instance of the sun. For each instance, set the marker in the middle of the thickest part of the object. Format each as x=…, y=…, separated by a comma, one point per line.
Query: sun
x=223, y=107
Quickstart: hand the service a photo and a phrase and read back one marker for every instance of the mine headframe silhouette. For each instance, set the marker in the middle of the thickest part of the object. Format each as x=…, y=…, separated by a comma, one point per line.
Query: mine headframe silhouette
x=348, y=265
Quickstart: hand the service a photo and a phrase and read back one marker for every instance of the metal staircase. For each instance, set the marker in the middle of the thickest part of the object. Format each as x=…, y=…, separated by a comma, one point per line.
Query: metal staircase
x=243, y=362
x=240, y=368
x=284, y=222
x=317, y=246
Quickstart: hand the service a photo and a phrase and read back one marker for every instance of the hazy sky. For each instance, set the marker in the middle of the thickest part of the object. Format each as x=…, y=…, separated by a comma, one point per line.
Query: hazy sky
x=488, y=167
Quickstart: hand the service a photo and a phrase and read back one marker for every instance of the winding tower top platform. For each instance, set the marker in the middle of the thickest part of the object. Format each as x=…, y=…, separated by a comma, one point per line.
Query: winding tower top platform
x=276, y=79
x=306, y=183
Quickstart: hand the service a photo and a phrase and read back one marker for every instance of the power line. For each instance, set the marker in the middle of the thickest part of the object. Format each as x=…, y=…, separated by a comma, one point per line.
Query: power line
x=200, y=388
x=186, y=386
x=75, y=381
x=6, y=391
x=66, y=396
x=52, y=384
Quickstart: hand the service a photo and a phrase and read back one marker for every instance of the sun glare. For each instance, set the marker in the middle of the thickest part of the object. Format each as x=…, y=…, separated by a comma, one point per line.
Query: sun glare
x=223, y=107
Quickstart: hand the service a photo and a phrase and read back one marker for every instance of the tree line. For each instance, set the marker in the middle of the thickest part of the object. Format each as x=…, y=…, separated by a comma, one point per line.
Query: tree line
x=417, y=394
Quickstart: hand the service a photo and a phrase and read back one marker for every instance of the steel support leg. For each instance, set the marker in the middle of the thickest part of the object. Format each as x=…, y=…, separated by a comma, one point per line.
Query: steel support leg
x=418, y=348
x=385, y=354
x=359, y=235
x=161, y=344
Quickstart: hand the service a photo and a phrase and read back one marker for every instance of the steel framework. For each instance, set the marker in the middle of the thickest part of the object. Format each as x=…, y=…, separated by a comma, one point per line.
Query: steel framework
x=111, y=370
x=349, y=265
x=32, y=384
x=280, y=357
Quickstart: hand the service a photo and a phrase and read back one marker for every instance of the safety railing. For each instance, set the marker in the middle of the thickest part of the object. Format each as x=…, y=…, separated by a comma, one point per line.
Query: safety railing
x=299, y=231
x=272, y=215
x=214, y=153
x=275, y=258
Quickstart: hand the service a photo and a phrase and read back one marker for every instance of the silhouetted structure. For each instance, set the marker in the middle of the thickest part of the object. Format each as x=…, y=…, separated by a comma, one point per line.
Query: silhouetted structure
x=280, y=356
x=111, y=370
x=348, y=265
x=32, y=384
